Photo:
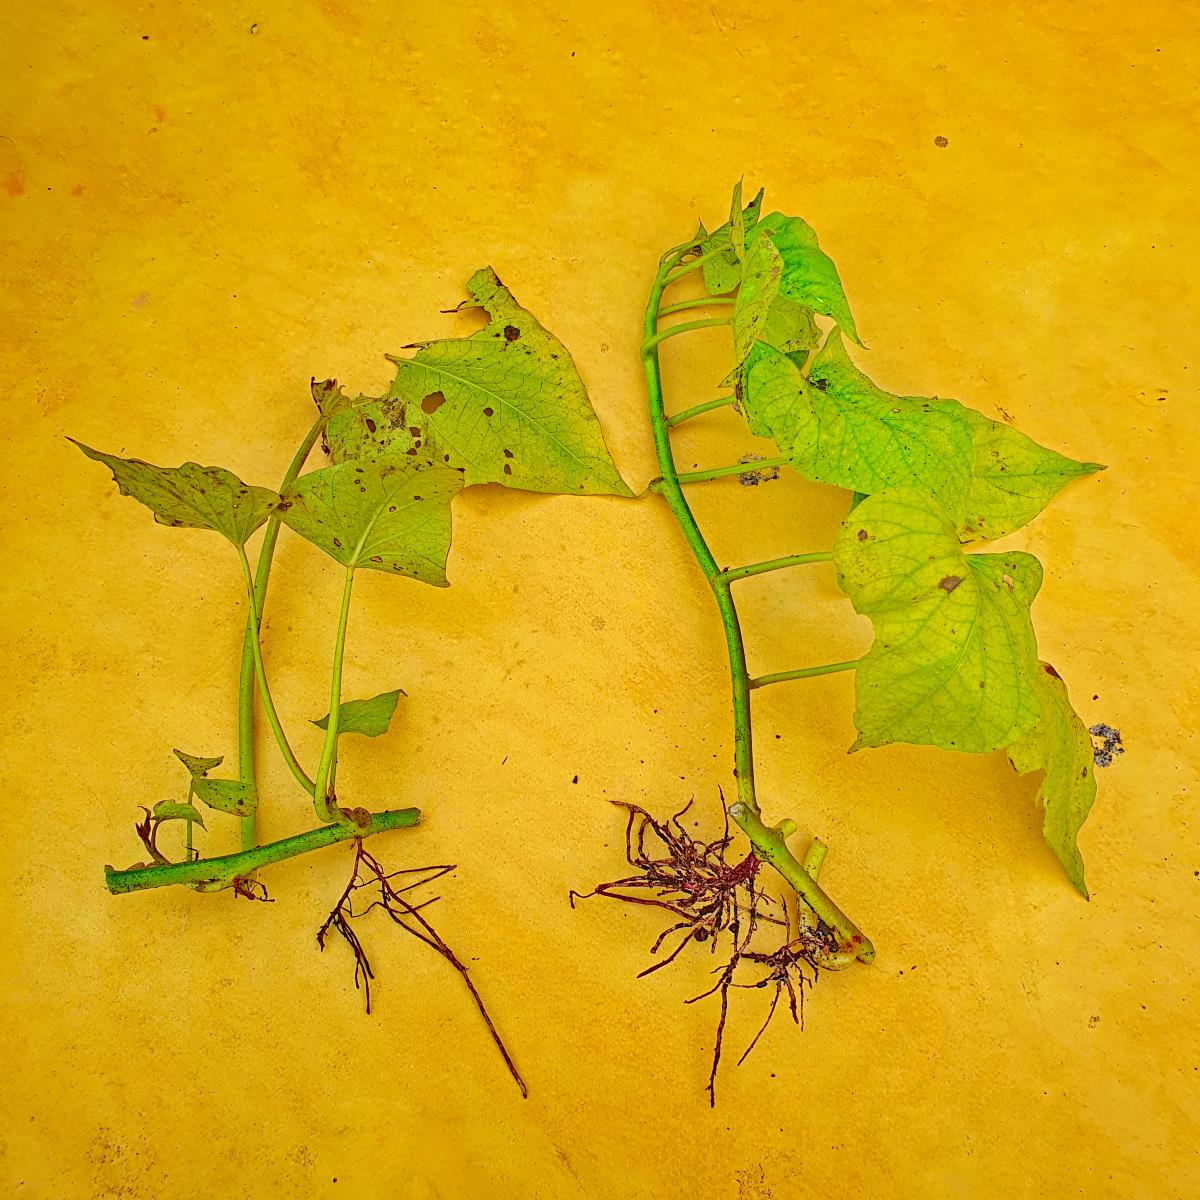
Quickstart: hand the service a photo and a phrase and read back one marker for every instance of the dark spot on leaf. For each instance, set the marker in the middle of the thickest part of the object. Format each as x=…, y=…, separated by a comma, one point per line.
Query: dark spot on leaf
x=862, y=535
x=370, y=425
x=391, y=508
x=508, y=453
x=418, y=497
x=432, y=402
x=337, y=543
x=489, y=412
x=950, y=582
x=511, y=333
x=820, y=384
x=507, y=469
x=411, y=450
x=1050, y=670
x=414, y=431
x=376, y=558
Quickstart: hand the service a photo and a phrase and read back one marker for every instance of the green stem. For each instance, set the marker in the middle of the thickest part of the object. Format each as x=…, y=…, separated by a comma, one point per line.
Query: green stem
x=213, y=874
x=702, y=302
x=653, y=339
x=776, y=564
x=322, y=790
x=815, y=858
x=746, y=468
x=263, y=689
x=697, y=409
x=770, y=847
x=246, y=681
x=694, y=265
x=804, y=673
x=745, y=811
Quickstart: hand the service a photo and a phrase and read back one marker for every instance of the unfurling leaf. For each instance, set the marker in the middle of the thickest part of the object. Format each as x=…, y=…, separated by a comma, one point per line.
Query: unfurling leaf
x=385, y=516
x=191, y=495
x=954, y=656
x=1060, y=745
x=723, y=272
x=370, y=717
x=809, y=276
x=168, y=810
x=837, y=427
x=226, y=795
x=762, y=271
x=1013, y=479
x=196, y=765
x=505, y=404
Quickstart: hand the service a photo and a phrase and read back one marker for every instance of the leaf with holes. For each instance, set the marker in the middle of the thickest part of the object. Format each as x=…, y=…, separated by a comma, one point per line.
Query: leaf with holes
x=505, y=404
x=837, y=427
x=385, y=516
x=954, y=656
x=191, y=496
x=226, y=795
x=1013, y=478
x=1060, y=745
x=370, y=717
x=809, y=276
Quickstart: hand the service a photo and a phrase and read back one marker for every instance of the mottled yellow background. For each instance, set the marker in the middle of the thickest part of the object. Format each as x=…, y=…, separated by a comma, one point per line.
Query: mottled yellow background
x=202, y=206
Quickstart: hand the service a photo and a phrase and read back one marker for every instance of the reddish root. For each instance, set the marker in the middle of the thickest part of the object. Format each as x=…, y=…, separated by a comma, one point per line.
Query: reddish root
x=369, y=879
x=715, y=902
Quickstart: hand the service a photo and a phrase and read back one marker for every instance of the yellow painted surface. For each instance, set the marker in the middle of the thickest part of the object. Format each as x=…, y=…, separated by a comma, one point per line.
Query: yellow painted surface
x=201, y=207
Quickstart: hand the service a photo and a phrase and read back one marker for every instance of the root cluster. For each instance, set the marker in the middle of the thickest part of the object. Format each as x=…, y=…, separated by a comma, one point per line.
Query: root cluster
x=720, y=904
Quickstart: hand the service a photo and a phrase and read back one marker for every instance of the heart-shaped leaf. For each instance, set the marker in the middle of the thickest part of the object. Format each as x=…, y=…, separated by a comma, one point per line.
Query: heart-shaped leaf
x=191, y=495
x=226, y=795
x=385, y=516
x=954, y=656
x=169, y=810
x=370, y=717
x=505, y=404
x=837, y=427
x=1013, y=478
x=1060, y=745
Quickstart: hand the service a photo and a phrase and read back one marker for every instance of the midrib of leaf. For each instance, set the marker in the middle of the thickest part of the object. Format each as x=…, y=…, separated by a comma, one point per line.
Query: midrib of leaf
x=503, y=403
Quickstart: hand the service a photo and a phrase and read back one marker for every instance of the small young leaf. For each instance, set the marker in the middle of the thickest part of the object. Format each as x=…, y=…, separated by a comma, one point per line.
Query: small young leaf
x=506, y=404
x=723, y=272
x=196, y=765
x=191, y=495
x=761, y=273
x=370, y=717
x=837, y=427
x=1014, y=478
x=954, y=655
x=168, y=810
x=385, y=516
x=809, y=276
x=1060, y=745
x=226, y=795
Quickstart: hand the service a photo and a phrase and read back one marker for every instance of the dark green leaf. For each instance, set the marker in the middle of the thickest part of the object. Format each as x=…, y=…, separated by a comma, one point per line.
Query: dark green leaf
x=195, y=764
x=954, y=657
x=1014, y=478
x=226, y=795
x=168, y=810
x=1060, y=745
x=390, y=515
x=370, y=717
x=505, y=404
x=809, y=276
x=191, y=495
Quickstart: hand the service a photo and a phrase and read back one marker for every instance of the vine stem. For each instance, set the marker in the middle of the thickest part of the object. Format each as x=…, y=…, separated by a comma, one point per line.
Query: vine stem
x=264, y=690
x=214, y=874
x=804, y=673
x=769, y=844
x=262, y=576
x=697, y=409
x=776, y=564
x=322, y=792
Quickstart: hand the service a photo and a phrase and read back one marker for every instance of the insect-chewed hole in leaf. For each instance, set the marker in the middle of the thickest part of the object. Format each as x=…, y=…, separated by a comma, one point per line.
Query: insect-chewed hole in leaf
x=431, y=403
x=507, y=469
